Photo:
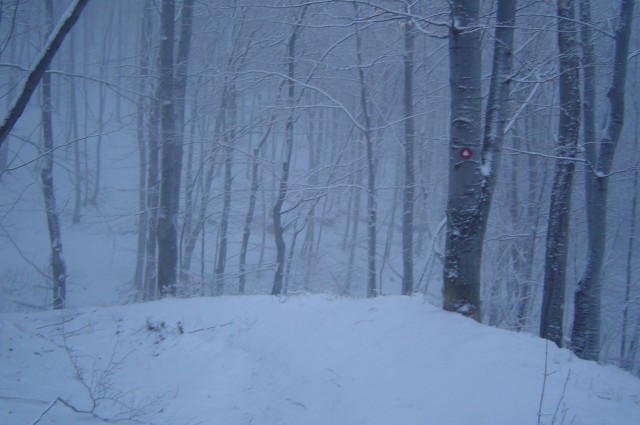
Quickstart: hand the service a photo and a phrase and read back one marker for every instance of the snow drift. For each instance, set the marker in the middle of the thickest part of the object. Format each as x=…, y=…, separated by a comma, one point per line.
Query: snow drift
x=313, y=360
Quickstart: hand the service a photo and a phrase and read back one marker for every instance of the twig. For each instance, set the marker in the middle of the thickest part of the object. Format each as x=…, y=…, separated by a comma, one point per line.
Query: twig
x=55, y=324
x=209, y=328
x=544, y=380
x=564, y=389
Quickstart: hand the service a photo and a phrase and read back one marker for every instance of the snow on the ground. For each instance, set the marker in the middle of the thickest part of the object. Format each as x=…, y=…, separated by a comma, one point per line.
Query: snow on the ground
x=312, y=360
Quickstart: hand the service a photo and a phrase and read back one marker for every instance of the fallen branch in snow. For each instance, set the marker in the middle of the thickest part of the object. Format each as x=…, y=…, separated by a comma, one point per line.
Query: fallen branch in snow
x=209, y=328
x=65, y=403
x=84, y=412
x=99, y=385
x=56, y=324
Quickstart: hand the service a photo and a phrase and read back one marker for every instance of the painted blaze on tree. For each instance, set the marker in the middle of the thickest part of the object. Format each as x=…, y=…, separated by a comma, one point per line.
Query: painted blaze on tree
x=461, y=290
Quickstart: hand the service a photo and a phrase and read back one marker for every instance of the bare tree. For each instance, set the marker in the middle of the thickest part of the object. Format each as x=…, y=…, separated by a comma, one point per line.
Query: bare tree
x=278, y=227
x=461, y=290
x=409, y=176
x=553, y=299
x=585, y=337
x=58, y=265
x=372, y=289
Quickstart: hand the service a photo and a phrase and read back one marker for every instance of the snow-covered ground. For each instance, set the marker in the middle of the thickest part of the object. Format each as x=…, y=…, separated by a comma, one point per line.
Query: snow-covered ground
x=295, y=360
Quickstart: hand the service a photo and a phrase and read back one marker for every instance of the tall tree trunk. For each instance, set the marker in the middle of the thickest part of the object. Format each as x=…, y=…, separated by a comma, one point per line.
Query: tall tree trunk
x=253, y=196
x=463, y=247
x=58, y=266
x=625, y=358
x=409, y=177
x=171, y=151
x=353, y=215
x=585, y=337
x=284, y=178
x=471, y=182
x=229, y=136
x=152, y=204
x=143, y=151
x=73, y=135
x=553, y=298
x=372, y=212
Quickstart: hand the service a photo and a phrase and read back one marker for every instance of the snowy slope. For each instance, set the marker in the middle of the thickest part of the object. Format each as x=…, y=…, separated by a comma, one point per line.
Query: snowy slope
x=310, y=360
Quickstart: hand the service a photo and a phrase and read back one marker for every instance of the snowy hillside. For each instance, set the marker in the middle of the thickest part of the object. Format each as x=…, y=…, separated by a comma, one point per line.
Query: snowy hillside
x=310, y=360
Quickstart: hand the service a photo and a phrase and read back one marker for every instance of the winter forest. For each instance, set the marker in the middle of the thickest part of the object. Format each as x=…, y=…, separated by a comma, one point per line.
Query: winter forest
x=483, y=154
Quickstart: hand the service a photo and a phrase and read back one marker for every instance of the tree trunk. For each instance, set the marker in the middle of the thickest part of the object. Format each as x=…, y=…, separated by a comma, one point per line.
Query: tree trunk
x=463, y=247
x=409, y=177
x=372, y=289
x=58, y=266
x=143, y=151
x=73, y=135
x=284, y=178
x=171, y=159
x=585, y=338
x=471, y=182
x=553, y=298
x=253, y=196
x=229, y=135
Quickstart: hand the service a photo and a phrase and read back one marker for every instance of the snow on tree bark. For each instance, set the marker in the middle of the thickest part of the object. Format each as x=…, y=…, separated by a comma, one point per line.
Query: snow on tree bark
x=461, y=290
x=585, y=337
x=553, y=298
x=58, y=265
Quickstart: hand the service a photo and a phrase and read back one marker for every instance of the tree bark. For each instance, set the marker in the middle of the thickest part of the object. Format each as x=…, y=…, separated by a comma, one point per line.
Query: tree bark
x=463, y=247
x=409, y=177
x=585, y=337
x=553, y=298
x=58, y=265
x=143, y=152
x=284, y=178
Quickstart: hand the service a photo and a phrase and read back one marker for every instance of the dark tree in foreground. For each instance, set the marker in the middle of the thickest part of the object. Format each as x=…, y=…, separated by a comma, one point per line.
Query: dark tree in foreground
x=553, y=298
x=461, y=289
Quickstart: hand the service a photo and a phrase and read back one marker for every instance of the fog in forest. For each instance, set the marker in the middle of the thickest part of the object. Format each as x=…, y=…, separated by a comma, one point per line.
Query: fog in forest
x=204, y=148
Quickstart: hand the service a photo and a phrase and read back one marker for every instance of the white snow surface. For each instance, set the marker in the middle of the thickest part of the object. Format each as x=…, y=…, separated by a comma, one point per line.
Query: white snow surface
x=313, y=360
